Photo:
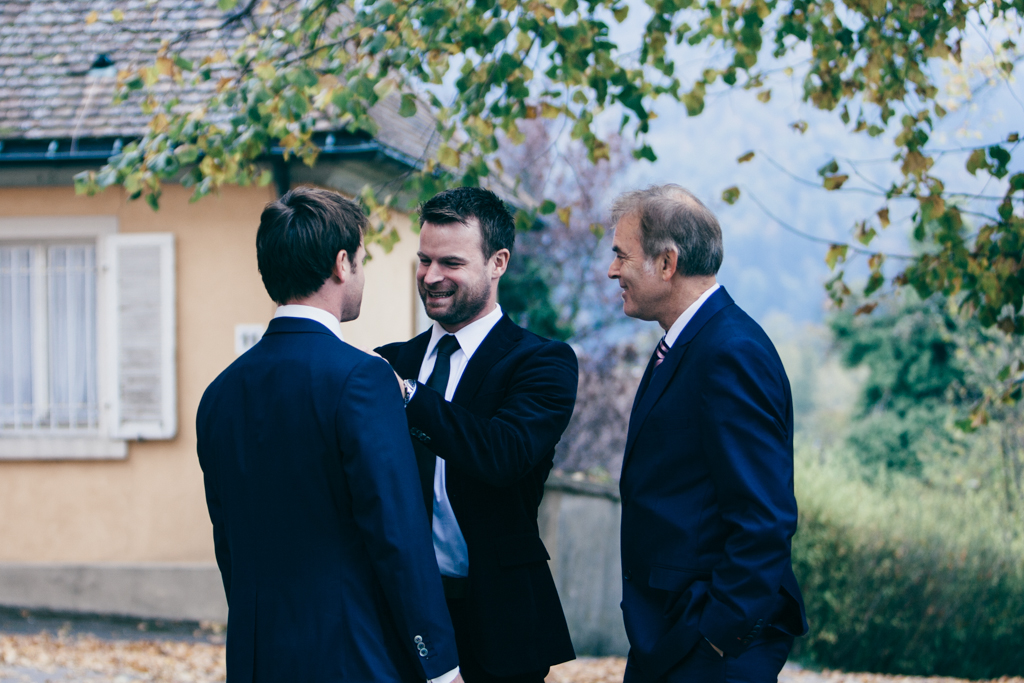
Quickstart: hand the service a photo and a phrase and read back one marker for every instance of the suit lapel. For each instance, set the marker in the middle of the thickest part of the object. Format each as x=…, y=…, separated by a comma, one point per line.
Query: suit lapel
x=660, y=377
x=410, y=356
x=498, y=342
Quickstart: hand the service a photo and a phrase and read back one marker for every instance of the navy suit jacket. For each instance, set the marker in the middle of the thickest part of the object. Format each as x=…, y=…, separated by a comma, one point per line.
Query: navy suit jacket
x=708, y=509
x=318, y=523
x=498, y=437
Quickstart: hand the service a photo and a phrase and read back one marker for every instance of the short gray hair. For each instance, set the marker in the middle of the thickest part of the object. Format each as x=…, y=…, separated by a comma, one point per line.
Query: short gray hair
x=671, y=217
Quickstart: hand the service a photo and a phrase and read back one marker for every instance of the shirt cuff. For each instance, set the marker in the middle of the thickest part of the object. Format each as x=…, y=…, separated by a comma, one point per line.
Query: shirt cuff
x=445, y=678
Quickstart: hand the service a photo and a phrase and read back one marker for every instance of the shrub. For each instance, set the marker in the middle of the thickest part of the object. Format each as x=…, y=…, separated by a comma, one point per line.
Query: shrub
x=899, y=578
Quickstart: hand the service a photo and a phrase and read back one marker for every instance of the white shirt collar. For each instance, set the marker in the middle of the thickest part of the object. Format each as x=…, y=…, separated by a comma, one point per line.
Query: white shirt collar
x=687, y=315
x=311, y=313
x=469, y=337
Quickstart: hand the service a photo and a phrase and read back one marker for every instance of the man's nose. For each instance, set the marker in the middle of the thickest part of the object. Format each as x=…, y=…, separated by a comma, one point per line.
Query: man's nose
x=433, y=274
x=613, y=270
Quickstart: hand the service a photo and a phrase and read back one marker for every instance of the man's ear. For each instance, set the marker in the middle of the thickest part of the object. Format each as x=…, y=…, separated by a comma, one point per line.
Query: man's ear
x=669, y=262
x=342, y=267
x=500, y=261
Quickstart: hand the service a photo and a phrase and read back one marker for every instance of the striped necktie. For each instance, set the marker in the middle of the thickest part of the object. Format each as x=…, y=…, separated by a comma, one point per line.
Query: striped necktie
x=660, y=352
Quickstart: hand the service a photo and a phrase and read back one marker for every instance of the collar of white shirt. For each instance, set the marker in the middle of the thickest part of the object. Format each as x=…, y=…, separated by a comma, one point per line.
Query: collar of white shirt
x=469, y=337
x=687, y=316
x=311, y=313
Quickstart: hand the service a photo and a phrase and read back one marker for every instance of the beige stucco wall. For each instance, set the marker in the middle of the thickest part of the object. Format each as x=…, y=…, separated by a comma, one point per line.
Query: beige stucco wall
x=150, y=507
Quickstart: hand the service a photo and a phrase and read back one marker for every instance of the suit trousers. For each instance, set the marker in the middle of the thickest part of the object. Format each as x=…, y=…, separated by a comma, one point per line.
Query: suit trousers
x=759, y=663
x=471, y=669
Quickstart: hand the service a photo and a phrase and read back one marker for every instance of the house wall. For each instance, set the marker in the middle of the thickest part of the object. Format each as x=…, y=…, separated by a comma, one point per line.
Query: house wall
x=148, y=510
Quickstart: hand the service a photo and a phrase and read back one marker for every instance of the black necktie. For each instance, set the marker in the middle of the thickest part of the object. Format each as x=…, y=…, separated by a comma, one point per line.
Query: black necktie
x=446, y=346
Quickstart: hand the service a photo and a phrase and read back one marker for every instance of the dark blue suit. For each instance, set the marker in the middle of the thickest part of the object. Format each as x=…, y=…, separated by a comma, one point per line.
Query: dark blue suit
x=498, y=436
x=318, y=521
x=708, y=509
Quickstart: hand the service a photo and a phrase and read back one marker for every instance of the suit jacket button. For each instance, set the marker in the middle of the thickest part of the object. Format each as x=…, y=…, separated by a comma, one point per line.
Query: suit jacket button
x=418, y=639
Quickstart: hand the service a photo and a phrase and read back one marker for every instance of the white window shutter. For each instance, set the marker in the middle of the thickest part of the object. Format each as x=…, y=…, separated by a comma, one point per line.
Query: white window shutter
x=142, y=336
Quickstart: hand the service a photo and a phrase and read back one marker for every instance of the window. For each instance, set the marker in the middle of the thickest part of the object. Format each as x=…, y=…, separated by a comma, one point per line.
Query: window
x=48, y=378
x=87, y=338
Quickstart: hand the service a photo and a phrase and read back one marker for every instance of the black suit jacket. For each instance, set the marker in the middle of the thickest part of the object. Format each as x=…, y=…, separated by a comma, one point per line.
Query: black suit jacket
x=498, y=437
x=708, y=509
x=317, y=522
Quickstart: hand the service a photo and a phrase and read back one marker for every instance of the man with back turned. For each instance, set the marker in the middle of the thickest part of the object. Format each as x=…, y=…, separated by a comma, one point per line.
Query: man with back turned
x=318, y=521
x=708, y=510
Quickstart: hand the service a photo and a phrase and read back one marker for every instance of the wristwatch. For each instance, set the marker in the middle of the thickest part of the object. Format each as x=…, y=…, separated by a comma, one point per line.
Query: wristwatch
x=410, y=389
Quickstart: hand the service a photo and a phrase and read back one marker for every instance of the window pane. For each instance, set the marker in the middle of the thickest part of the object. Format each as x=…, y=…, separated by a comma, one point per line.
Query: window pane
x=16, y=337
x=72, y=325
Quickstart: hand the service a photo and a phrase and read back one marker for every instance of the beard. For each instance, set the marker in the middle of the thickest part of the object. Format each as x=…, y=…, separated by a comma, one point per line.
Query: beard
x=464, y=303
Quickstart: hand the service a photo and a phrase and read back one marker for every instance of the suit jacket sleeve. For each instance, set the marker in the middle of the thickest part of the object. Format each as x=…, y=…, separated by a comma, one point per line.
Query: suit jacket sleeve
x=746, y=420
x=220, y=538
x=382, y=479
x=534, y=411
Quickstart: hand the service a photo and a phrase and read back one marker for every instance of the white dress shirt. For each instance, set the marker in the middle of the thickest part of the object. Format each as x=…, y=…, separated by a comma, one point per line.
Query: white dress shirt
x=311, y=313
x=449, y=543
x=332, y=324
x=687, y=315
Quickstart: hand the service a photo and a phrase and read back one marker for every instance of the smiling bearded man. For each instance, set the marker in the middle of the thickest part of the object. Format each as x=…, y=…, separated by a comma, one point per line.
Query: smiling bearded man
x=486, y=402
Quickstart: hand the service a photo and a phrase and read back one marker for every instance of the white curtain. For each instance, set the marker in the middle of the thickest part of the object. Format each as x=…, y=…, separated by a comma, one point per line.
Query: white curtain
x=71, y=284
x=16, y=400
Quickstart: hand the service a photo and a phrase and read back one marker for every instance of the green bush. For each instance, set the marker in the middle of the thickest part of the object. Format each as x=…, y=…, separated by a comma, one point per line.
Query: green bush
x=900, y=578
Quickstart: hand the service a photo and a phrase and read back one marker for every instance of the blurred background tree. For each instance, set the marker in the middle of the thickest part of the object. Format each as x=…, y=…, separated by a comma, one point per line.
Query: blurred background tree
x=484, y=68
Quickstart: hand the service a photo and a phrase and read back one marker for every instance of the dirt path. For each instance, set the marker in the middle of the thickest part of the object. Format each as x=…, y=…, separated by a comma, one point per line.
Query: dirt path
x=47, y=658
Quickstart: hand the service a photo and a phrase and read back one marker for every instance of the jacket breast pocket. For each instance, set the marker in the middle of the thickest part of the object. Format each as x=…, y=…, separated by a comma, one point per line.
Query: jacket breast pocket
x=521, y=549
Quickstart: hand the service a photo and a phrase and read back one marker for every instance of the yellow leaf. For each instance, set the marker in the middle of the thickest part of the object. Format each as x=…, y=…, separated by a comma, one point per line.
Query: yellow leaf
x=564, y=214
x=159, y=123
x=745, y=158
x=836, y=253
x=800, y=126
x=834, y=182
x=764, y=95
x=866, y=308
x=448, y=156
x=265, y=71
x=91, y=17
x=883, y=217
x=117, y=15
x=876, y=261
x=548, y=111
x=731, y=195
x=164, y=66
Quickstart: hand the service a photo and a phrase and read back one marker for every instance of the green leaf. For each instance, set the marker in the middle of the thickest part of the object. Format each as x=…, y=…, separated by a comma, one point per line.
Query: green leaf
x=731, y=195
x=875, y=282
x=829, y=168
x=745, y=158
x=408, y=107
x=548, y=207
x=226, y=5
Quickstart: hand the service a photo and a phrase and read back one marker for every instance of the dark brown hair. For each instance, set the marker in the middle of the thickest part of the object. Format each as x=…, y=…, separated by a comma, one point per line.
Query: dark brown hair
x=299, y=238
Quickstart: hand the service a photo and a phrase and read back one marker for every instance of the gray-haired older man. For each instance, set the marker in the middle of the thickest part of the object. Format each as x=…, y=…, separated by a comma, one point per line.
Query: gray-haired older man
x=708, y=511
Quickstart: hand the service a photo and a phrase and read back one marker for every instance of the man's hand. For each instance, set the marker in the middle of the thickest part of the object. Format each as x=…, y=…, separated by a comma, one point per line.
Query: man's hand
x=401, y=382
x=720, y=653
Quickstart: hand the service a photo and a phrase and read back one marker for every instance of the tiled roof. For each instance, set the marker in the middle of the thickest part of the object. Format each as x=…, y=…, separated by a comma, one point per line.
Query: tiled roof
x=47, y=48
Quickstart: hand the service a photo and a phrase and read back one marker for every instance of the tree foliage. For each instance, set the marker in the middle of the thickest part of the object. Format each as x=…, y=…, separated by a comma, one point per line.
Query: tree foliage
x=483, y=67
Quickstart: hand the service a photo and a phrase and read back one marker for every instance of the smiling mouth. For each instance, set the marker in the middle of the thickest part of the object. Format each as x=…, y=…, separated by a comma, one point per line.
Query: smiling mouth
x=438, y=296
